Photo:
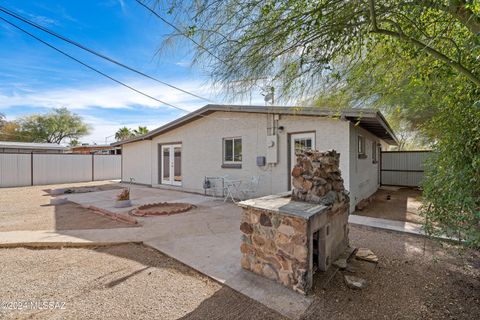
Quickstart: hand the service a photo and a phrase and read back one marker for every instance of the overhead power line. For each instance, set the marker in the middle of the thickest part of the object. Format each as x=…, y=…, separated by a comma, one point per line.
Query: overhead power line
x=180, y=31
x=92, y=68
x=98, y=54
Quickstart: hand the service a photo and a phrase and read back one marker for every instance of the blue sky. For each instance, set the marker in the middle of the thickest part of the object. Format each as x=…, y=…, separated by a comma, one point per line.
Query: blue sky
x=35, y=78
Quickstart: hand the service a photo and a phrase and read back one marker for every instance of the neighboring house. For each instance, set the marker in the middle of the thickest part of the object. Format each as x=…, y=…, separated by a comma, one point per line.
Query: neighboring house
x=246, y=141
x=30, y=147
x=96, y=149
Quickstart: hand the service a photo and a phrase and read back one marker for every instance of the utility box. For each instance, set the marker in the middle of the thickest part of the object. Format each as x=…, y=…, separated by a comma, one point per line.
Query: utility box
x=261, y=161
x=272, y=149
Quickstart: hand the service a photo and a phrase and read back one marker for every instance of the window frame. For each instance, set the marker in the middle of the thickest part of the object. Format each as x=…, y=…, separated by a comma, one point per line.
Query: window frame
x=361, y=147
x=233, y=163
x=374, y=152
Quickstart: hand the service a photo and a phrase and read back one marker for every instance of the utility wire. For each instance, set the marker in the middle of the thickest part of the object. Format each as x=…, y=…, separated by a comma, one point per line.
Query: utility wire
x=79, y=45
x=180, y=31
x=187, y=36
x=92, y=68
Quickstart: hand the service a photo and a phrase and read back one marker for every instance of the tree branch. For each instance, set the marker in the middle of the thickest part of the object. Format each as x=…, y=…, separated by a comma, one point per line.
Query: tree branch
x=458, y=10
x=435, y=53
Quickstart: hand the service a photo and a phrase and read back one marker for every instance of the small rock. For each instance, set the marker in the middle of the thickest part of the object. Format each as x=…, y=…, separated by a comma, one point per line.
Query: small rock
x=269, y=272
x=297, y=171
x=246, y=228
x=286, y=230
x=340, y=263
x=362, y=205
x=366, y=254
x=351, y=269
x=329, y=198
x=265, y=220
x=355, y=282
x=307, y=184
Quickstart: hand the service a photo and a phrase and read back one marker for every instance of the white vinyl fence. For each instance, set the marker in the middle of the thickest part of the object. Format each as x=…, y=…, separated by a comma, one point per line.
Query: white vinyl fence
x=20, y=169
x=402, y=168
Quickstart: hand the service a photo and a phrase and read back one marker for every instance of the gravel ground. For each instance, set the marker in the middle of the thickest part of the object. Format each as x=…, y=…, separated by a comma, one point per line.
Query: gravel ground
x=28, y=208
x=135, y=282
x=408, y=283
x=119, y=282
x=402, y=206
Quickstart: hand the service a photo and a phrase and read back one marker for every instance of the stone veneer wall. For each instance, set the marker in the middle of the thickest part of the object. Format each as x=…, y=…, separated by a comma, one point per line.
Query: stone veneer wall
x=275, y=246
x=316, y=178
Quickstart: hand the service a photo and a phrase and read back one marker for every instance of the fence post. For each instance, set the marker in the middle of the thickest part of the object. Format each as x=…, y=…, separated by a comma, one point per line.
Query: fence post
x=380, y=165
x=93, y=167
x=31, y=168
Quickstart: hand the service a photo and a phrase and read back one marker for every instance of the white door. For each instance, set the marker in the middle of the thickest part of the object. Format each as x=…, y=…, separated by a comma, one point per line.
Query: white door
x=299, y=142
x=171, y=164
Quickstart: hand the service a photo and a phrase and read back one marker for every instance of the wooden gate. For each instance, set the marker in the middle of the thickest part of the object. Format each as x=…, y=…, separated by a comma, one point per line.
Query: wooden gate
x=402, y=168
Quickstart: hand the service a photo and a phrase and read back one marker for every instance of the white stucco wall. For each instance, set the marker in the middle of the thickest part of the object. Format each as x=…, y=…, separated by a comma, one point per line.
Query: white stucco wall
x=136, y=162
x=364, y=174
x=202, y=147
x=329, y=134
x=202, y=152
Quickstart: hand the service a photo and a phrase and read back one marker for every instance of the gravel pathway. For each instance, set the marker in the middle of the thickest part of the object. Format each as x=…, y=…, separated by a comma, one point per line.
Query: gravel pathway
x=119, y=282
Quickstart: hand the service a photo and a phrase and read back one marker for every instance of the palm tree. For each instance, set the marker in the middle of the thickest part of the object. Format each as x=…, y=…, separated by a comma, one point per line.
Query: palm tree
x=123, y=134
x=3, y=120
x=140, y=131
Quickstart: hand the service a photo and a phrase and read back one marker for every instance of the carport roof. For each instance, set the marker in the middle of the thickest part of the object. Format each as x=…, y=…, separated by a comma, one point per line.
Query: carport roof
x=369, y=119
x=31, y=145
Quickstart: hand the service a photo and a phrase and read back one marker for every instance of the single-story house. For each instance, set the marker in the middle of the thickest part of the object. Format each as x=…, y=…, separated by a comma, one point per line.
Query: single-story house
x=95, y=149
x=257, y=141
x=30, y=147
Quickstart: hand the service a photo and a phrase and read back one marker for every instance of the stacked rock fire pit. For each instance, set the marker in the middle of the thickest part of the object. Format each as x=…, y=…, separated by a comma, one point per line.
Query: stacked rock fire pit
x=287, y=237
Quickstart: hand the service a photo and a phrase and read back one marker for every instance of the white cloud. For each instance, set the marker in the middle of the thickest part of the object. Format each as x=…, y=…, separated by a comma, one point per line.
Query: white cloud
x=107, y=96
x=103, y=130
x=88, y=101
x=183, y=63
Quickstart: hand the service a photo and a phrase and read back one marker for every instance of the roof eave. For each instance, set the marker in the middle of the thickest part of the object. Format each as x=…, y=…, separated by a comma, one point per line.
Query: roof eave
x=210, y=108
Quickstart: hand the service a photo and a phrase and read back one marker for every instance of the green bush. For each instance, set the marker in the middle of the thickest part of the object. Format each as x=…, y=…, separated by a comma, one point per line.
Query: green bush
x=451, y=197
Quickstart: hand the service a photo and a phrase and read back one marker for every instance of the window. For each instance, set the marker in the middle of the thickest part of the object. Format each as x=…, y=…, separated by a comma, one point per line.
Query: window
x=374, y=152
x=232, y=152
x=361, y=147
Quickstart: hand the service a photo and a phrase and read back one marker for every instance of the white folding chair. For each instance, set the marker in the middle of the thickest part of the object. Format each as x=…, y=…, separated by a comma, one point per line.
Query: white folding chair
x=230, y=188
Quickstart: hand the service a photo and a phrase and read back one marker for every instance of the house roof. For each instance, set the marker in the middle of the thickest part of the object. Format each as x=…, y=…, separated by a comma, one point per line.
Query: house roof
x=93, y=146
x=31, y=145
x=369, y=119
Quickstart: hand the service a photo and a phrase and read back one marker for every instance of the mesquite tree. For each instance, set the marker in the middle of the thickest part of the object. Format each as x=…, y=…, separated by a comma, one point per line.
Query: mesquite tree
x=428, y=51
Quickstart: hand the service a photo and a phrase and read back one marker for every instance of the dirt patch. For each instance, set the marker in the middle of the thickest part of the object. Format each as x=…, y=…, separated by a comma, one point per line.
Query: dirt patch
x=28, y=208
x=401, y=205
x=407, y=283
x=120, y=282
x=161, y=209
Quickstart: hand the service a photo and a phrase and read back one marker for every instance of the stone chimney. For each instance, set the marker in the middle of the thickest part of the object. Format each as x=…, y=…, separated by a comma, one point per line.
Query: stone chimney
x=287, y=239
x=316, y=178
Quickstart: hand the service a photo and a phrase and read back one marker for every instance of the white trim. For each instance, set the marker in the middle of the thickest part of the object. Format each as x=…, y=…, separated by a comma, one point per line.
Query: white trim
x=170, y=180
x=293, y=137
x=233, y=150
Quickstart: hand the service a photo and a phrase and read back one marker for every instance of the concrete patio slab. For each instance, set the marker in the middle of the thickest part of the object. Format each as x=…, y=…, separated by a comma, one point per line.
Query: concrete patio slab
x=400, y=226
x=206, y=238
x=138, y=194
